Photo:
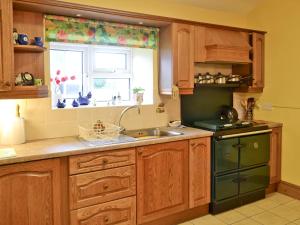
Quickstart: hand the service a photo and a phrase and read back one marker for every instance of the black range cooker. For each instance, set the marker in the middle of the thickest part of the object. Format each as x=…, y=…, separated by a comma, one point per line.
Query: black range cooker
x=240, y=155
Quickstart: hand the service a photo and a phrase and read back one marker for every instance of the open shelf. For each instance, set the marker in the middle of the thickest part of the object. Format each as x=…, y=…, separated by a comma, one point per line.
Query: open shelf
x=29, y=48
x=218, y=85
x=20, y=92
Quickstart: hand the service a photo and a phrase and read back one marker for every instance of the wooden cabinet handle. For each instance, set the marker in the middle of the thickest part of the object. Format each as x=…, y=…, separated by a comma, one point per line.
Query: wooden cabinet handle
x=104, y=161
x=105, y=186
x=106, y=219
x=7, y=84
x=193, y=144
x=140, y=153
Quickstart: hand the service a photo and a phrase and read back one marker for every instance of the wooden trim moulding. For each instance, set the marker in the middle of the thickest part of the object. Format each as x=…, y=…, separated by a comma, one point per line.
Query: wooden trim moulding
x=182, y=216
x=289, y=189
x=65, y=8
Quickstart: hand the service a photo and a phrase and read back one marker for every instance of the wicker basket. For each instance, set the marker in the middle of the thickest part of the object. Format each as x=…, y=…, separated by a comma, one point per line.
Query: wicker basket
x=92, y=132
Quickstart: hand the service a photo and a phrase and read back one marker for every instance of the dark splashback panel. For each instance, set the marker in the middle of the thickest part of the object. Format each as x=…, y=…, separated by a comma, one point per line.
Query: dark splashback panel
x=204, y=104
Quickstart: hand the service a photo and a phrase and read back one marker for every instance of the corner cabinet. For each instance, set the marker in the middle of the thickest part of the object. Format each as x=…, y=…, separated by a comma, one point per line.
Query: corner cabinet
x=162, y=180
x=15, y=59
x=177, y=58
x=199, y=172
x=30, y=193
x=275, y=155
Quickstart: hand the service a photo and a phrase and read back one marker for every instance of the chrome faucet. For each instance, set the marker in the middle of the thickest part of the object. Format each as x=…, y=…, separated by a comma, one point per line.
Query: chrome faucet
x=124, y=111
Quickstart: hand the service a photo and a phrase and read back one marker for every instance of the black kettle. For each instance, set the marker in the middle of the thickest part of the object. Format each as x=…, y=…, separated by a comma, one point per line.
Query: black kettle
x=229, y=114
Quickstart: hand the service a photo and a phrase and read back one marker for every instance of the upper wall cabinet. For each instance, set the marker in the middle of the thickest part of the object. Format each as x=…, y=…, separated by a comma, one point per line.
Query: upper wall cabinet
x=256, y=68
x=6, y=46
x=218, y=45
x=16, y=59
x=177, y=58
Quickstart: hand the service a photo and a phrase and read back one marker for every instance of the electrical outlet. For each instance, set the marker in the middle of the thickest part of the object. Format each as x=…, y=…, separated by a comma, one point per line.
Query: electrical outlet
x=267, y=106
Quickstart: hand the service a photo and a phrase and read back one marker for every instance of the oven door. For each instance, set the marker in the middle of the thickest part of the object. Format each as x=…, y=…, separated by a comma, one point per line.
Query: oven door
x=226, y=155
x=254, y=150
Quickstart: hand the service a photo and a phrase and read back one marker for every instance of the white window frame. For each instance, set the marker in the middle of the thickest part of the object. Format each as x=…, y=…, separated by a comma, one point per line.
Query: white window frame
x=89, y=72
x=115, y=73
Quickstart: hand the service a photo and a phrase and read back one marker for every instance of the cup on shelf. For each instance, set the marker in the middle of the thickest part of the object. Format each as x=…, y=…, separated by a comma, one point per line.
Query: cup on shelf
x=38, y=41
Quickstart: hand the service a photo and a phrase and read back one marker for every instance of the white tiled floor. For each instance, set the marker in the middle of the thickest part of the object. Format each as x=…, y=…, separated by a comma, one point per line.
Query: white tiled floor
x=276, y=209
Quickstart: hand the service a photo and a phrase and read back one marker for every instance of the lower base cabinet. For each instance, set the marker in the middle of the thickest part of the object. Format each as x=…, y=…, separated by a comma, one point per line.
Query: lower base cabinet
x=30, y=193
x=162, y=180
x=275, y=155
x=118, y=212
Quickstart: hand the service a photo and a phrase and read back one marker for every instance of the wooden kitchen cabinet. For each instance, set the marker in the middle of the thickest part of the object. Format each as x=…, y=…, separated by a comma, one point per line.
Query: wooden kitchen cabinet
x=177, y=58
x=199, y=172
x=258, y=46
x=30, y=193
x=6, y=46
x=256, y=68
x=275, y=155
x=15, y=59
x=162, y=180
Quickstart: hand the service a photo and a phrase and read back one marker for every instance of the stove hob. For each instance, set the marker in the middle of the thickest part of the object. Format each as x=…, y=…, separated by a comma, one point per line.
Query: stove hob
x=221, y=127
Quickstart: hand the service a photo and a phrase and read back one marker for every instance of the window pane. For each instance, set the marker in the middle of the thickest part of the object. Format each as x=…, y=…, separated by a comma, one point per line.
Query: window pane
x=104, y=89
x=110, y=61
x=67, y=66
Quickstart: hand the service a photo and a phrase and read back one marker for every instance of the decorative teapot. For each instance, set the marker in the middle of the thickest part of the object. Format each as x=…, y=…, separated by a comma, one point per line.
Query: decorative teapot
x=84, y=100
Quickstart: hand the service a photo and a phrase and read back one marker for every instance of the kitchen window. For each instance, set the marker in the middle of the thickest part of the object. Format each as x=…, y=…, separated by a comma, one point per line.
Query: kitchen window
x=110, y=73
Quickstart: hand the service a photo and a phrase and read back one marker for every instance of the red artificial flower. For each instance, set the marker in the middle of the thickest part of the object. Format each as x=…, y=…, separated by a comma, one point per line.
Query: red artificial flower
x=122, y=40
x=58, y=72
x=62, y=35
x=73, y=77
x=145, y=38
x=57, y=81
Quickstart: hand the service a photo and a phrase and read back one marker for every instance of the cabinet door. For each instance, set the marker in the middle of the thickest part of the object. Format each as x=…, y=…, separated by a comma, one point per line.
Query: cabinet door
x=254, y=150
x=30, y=193
x=6, y=45
x=199, y=164
x=226, y=154
x=258, y=44
x=275, y=155
x=183, y=57
x=162, y=180
x=200, y=51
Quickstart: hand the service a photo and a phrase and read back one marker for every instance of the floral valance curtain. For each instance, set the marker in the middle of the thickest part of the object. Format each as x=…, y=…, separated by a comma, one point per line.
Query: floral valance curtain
x=85, y=31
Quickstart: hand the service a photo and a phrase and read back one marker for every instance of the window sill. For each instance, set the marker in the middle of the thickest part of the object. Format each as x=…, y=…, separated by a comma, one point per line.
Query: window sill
x=100, y=105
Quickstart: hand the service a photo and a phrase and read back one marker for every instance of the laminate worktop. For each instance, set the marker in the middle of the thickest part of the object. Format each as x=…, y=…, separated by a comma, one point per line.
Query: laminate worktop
x=67, y=146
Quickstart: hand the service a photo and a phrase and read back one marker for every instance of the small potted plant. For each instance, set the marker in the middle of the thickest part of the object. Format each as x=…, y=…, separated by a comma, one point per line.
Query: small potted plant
x=138, y=93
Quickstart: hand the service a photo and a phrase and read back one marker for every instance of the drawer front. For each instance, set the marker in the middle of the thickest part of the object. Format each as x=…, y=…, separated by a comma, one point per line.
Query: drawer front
x=119, y=212
x=102, y=186
x=100, y=161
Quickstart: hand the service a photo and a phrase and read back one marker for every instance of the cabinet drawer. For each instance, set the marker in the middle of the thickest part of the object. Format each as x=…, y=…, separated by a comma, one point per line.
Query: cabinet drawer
x=119, y=212
x=102, y=186
x=100, y=161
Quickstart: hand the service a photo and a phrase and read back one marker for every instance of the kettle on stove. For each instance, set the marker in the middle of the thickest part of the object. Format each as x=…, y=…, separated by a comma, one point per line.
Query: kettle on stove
x=229, y=114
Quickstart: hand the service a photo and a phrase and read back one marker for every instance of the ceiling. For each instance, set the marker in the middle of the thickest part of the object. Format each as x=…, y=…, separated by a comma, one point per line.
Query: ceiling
x=236, y=6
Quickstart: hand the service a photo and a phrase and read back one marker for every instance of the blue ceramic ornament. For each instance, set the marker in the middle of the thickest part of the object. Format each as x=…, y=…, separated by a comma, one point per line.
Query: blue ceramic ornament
x=23, y=39
x=75, y=103
x=84, y=100
x=61, y=104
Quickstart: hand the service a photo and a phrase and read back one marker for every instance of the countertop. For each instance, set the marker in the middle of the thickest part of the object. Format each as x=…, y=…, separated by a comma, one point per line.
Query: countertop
x=67, y=146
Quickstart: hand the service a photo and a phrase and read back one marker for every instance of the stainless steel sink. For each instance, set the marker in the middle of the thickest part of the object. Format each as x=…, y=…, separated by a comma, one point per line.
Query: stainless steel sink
x=150, y=133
